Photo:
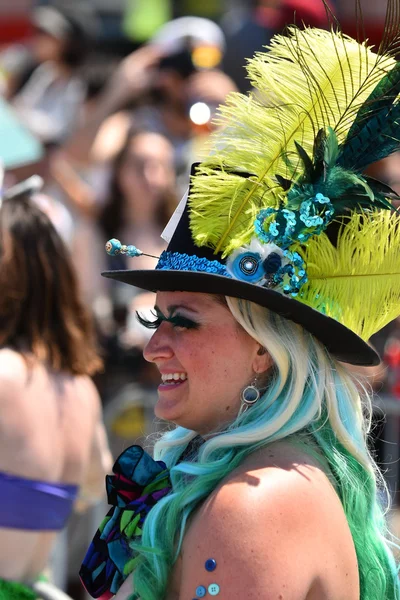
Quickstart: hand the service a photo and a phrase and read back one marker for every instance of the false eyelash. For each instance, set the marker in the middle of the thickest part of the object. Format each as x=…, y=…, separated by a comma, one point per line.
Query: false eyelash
x=176, y=320
x=147, y=323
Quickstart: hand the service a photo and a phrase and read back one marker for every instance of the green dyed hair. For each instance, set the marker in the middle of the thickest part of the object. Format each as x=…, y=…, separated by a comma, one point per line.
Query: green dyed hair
x=312, y=398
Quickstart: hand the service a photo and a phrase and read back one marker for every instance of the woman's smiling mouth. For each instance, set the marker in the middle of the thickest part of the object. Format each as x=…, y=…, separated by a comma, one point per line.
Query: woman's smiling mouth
x=172, y=380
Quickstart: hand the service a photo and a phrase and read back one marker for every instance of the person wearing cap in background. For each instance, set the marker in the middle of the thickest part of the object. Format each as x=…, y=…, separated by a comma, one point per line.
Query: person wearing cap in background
x=188, y=87
x=178, y=69
x=51, y=101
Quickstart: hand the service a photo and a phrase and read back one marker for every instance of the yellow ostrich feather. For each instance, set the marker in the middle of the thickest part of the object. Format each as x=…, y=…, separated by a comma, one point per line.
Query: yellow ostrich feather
x=306, y=81
x=358, y=281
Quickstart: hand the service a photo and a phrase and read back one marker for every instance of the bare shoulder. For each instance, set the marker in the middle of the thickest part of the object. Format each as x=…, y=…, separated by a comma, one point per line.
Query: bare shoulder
x=253, y=524
x=284, y=463
x=278, y=485
x=16, y=372
x=278, y=477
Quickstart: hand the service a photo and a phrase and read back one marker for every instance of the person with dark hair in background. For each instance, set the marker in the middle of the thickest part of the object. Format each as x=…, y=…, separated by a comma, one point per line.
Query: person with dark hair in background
x=140, y=198
x=172, y=85
x=52, y=99
x=142, y=193
x=53, y=448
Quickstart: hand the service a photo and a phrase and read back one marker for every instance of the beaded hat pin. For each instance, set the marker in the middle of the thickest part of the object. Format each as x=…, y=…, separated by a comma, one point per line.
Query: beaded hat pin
x=282, y=212
x=115, y=248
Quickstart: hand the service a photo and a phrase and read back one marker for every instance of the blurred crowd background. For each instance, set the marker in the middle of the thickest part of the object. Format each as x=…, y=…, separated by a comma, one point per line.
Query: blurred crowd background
x=110, y=102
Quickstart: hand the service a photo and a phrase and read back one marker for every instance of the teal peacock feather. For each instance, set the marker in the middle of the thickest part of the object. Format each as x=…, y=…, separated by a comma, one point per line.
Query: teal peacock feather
x=346, y=189
x=382, y=96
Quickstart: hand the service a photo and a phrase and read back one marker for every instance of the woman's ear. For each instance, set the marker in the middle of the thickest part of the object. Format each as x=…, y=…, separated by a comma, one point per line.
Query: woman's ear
x=262, y=361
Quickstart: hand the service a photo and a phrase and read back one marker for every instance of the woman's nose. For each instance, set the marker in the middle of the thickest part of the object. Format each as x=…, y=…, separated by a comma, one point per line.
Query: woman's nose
x=159, y=346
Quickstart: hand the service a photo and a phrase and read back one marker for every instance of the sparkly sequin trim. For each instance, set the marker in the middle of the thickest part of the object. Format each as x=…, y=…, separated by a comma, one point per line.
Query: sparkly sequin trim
x=175, y=261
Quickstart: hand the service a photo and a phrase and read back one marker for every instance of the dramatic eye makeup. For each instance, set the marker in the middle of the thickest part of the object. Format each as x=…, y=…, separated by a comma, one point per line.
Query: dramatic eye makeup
x=176, y=319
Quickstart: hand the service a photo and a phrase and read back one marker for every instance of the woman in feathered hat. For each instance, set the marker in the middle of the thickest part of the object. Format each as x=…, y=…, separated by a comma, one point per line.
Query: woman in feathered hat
x=282, y=262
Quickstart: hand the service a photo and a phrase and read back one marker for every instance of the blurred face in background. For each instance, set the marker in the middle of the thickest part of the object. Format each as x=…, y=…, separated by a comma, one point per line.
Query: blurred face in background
x=146, y=174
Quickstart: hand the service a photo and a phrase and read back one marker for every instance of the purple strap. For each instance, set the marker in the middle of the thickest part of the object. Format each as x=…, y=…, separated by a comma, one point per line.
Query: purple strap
x=34, y=505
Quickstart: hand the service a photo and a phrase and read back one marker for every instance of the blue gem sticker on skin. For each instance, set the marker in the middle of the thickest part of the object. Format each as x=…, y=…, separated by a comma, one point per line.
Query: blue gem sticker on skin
x=210, y=565
x=201, y=591
x=213, y=589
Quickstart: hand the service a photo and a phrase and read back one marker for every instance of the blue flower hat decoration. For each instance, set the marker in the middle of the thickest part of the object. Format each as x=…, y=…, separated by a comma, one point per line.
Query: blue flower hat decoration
x=271, y=260
x=269, y=266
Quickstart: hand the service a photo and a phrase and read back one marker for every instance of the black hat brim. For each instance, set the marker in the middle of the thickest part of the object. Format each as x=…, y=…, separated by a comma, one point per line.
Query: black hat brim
x=340, y=341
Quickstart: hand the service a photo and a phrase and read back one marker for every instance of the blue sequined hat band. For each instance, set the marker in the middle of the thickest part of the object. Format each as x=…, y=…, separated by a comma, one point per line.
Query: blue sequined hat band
x=175, y=261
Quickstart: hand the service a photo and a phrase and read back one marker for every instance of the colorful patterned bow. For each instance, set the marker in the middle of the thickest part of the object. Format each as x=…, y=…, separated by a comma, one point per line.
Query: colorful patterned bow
x=138, y=483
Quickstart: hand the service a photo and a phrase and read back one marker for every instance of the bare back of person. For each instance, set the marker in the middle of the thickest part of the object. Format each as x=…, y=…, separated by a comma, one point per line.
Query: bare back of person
x=50, y=429
x=276, y=529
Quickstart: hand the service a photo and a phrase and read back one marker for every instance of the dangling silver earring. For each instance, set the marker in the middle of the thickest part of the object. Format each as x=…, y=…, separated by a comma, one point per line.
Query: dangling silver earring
x=249, y=396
